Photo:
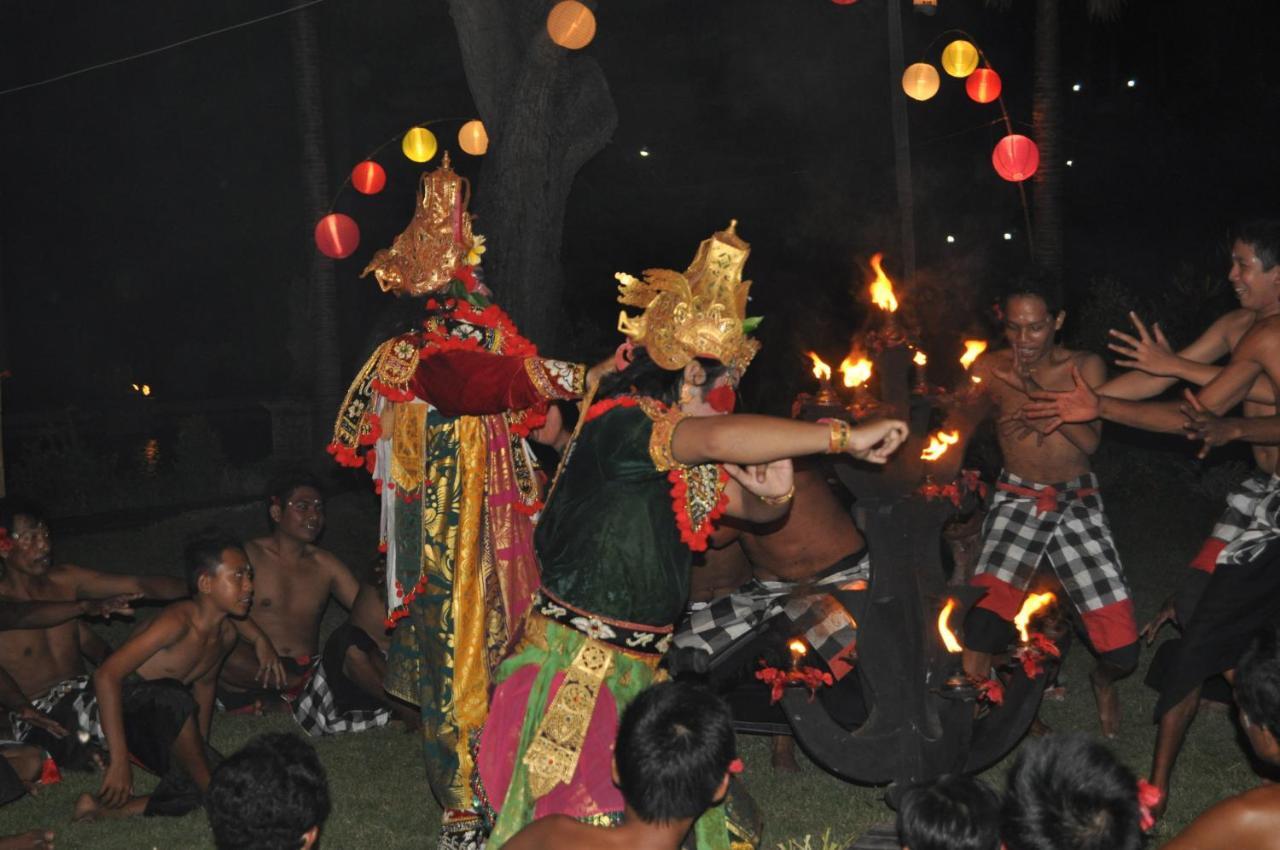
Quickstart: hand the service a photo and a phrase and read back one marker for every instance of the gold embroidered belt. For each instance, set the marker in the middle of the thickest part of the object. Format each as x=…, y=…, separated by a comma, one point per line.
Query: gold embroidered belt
x=629, y=637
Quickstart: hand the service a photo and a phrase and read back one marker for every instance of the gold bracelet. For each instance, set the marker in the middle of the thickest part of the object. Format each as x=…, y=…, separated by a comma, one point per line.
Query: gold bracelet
x=779, y=500
x=838, y=439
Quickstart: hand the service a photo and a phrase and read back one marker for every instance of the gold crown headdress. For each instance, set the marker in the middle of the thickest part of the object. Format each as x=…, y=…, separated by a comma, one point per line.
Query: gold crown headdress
x=425, y=257
x=701, y=313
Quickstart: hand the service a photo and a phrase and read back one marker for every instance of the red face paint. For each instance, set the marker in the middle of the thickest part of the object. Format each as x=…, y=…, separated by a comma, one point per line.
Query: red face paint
x=722, y=399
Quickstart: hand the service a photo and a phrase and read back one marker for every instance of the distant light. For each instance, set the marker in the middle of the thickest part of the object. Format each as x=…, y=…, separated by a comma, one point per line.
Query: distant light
x=1077, y=87
x=1007, y=236
x=644, y=151
x=1131, y=83
x=1069, y=162
x=950, y=238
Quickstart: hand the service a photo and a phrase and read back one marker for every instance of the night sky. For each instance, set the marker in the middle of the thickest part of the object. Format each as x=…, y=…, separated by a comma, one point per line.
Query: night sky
x=153, y=226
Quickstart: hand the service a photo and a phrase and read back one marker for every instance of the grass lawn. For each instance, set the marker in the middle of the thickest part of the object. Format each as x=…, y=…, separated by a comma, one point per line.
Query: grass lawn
x=381, y=798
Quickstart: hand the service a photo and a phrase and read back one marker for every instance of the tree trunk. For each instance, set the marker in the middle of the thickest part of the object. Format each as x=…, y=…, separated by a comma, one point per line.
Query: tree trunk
x=322, y=329
x=901, y=142
x=1046, y=118
x=547, y=111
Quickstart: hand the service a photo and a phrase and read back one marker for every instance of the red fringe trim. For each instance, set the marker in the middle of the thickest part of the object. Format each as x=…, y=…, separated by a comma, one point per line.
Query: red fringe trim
x=390, y=392
x=345, y=455
x=600, y=408
x=529, y=510
x=694, y=538
x=375, y=431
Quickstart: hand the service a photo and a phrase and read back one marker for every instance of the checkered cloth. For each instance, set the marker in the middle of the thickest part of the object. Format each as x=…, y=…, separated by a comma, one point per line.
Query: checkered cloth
x=1251, y=520
x=716, y=627
x=1063, y=524
x=84, y=702
x=315, y=711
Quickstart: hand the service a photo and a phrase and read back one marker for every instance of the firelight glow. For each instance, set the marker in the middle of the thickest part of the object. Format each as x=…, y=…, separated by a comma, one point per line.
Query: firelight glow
x=821, y=370
x=1033, y=603
x=797, y=647
x=920, y=359
x=944, y=631
x=972, y=348
x=939, y=442
x=882, y=288
x=855, y=372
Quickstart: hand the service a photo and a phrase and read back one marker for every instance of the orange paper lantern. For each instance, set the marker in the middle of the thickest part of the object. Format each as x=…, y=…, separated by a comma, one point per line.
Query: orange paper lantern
x=368, y=177
x=1015, y=158
x=472, y=138
x=920, y=81
x=983, y=85
x=337, y=235
x=571, y=24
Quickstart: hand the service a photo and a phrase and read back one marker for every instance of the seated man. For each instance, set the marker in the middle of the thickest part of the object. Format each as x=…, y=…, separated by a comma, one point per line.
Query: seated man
x=672, y=761
x=353, y=667
x=153, y=697
x=43, y=646
x=954, y=812
x=294, y=579
x=1248, y=821
x=1067, y=792
x=270, y=795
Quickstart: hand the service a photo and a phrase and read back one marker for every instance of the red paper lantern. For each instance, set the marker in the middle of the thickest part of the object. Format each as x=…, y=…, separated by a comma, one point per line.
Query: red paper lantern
x=844, y=2
x=983, y=85
x=337, y=235
x=1015, y=158
x=368, y=177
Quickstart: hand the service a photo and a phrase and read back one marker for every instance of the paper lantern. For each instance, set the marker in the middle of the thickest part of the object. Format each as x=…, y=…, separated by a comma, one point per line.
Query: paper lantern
x=368, y=177
x=844, y=2
x=472, y=138
x=337, y=235
x=571, y=24
x=983, y=85
x=920, y=81
x=419, y=144
x=1015, y=158
x=959, y=58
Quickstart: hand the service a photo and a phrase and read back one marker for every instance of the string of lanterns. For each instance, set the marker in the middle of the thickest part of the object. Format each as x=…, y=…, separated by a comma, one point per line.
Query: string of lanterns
x=1015, y=157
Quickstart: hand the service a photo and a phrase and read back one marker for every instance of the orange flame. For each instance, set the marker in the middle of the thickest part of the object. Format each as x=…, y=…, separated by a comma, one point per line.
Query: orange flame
x=939, y=442
x=921, y=359
x=855, y=372
x=972, y=348
x=975, y=379
x=821, y=370
x=948, y=636
x=882, y=288
x=797, y=648
x=1033, y=603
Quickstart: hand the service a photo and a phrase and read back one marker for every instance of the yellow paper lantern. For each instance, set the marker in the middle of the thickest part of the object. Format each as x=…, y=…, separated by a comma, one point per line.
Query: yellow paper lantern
x=920, y=81
x=571, y=24
x=419, y=144
x=959, y=58
x=472, y=138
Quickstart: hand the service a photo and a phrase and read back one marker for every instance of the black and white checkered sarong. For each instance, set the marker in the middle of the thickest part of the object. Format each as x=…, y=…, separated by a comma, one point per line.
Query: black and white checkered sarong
x=828, y=627
x=315, y=711
x=1066, y=527
x=1251, y=520
x=84, y=702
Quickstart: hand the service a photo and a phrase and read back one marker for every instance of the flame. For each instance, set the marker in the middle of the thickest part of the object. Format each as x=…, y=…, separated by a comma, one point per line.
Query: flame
x=948, y=636
x=797, y=648
x=972, y=348
x=975, y=379
x=882, y=288
x=1033, y=603
x=921, y=359
x=821, y=370
x=137, y=389
x=146, y=389
x=855, y=372
x=939, y=442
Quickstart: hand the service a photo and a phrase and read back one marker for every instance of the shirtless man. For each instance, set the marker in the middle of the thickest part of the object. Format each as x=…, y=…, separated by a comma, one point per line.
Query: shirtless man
x=155, y=693
x=294, y=579
x=1046, y=510
x=1243, y=590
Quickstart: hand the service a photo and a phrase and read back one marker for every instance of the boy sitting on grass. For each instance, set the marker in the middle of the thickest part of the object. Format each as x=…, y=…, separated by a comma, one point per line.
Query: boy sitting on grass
x=1248, y=821
x=672, y=760
x=155, y=693
x=955, y=812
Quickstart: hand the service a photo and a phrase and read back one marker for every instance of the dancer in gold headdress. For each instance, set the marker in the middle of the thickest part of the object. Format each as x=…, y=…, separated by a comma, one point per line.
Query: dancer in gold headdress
x=652, y=468
x=438, y=417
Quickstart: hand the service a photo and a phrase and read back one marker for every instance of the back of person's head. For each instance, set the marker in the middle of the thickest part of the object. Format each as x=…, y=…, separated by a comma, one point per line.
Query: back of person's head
x=271, y=795
x=646, y=378
x=956, y=812
x=1258, y=682
x=1033, y=283
x=1263, y=235
x=203, y=553
x=674, y=747
x=1069, y=792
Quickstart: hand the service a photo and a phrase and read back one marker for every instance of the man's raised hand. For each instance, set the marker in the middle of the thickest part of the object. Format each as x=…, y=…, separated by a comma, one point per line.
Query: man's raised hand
x=876, y=441
x=120, y=604
x=766, y=480
x=1148, y=352
x=1078, y=404
x=1204, y=424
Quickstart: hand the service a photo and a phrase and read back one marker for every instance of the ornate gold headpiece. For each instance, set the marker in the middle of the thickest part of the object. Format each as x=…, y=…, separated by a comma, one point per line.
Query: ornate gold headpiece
x=437, y=241
x=701, y=313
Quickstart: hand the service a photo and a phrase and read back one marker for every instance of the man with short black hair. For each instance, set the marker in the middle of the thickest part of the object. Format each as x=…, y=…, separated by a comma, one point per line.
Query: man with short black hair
x=953, y=812
x=270, y=795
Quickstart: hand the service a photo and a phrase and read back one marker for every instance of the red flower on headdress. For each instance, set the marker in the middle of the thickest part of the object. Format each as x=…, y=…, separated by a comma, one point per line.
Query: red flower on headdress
x=6, y=542
x=1149, y=796
x=735, y=767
